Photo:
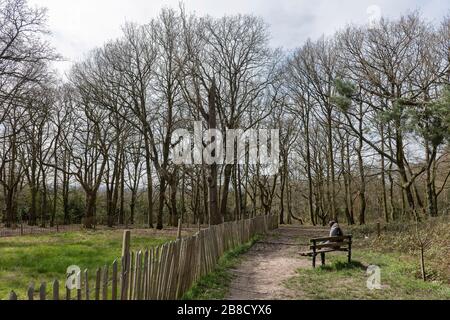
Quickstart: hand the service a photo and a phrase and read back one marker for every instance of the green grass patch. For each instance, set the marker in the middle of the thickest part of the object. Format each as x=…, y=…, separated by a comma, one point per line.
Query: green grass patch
x=44, y=258
x=215, y=285
x=342, y=281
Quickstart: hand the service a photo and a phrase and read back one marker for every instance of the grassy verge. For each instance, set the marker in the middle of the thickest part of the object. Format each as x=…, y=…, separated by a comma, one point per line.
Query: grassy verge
x=400, y=237
x=215, y=285
x=46, y=257
x=341, y=281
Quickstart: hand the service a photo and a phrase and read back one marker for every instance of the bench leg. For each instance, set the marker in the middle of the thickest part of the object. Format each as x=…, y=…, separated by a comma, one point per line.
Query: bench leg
x=314, y=261
x=350, y=254
x=322, y=256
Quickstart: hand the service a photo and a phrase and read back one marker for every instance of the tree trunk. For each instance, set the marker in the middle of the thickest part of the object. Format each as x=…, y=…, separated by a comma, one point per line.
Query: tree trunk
x=362, y=190
x=430, y=193
x=148, y=166
x=162, y=197
x=91, y=203
x=383, y=176
x=215, y=215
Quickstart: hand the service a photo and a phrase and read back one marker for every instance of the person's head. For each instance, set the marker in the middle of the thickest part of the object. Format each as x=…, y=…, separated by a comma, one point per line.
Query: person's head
x=332, y=223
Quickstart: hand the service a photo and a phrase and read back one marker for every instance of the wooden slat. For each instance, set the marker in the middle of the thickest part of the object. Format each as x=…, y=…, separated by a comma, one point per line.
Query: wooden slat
x=123, y=279
x=130, y=278
x=332, y=245
x=334, y=239
x=146, y=274
x=30, y=292
x=55, y=290
x=105, y=283
x=87, y=292
x=43, y=292
x=154, y=256
x=114, y=281
x=170, y=276
x=79, y=290
x=12, y=296
x=162, y=273
x=183, y=268
x=68, y=294
x=137, y=276
x=98, y=276
x=311, y=253
x=126, y=244
x=167, y=273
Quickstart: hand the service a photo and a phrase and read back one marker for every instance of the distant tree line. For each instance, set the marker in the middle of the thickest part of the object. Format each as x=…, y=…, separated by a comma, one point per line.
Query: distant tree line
x=364, y=120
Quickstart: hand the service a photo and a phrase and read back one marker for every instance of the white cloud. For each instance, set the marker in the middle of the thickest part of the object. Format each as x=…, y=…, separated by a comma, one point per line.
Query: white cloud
x=81, y=25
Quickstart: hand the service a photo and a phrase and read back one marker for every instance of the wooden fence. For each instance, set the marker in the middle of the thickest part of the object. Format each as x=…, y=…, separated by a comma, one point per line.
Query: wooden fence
x=25, y=230
x=166, y=272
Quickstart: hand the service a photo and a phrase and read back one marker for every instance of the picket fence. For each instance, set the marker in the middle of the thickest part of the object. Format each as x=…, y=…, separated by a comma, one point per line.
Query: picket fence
x=166, y=272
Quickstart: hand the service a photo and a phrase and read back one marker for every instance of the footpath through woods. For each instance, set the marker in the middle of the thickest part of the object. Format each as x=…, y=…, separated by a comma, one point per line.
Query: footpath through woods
x=274, y=270
x=271, y=261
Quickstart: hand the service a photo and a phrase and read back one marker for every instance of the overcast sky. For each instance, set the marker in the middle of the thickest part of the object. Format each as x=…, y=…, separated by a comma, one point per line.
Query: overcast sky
x=80, y=25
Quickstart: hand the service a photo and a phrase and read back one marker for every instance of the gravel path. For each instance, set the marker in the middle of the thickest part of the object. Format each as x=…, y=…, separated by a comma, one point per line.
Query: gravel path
x=269, y=263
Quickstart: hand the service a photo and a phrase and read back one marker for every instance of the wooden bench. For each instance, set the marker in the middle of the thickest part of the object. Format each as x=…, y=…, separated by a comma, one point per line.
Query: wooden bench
x=322, y=246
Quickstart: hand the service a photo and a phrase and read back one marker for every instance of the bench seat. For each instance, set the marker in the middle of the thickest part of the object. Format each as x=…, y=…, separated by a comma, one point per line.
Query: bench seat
x=333, y=244
x=311, y=253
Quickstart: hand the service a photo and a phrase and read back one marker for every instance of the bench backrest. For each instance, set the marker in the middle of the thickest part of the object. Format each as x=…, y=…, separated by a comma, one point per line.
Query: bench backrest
x=331, y=242
x=333, y=239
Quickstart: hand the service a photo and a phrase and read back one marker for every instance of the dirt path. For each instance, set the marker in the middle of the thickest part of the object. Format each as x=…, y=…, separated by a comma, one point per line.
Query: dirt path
x=270, y=262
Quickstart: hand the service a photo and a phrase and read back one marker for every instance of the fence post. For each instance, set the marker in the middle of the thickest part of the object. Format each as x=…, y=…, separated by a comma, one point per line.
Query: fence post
x=126, y=246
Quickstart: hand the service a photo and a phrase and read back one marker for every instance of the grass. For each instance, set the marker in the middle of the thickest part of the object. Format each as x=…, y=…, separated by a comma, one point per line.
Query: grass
x=342, y=281
x=44, y=258
x=399, y=237
x=215, y=285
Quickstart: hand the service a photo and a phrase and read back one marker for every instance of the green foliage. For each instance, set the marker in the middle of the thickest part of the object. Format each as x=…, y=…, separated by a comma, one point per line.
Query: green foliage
x=442, y=107
x=431, y=120
x=340, y=280
x=343, y=103
x=395, y=114
x=346, y=92
x=400, y=237
x=345, y=88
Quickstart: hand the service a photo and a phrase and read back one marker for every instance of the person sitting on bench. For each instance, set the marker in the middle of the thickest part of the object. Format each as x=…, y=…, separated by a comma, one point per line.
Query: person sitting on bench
x=336, y=242
x=336, y=230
